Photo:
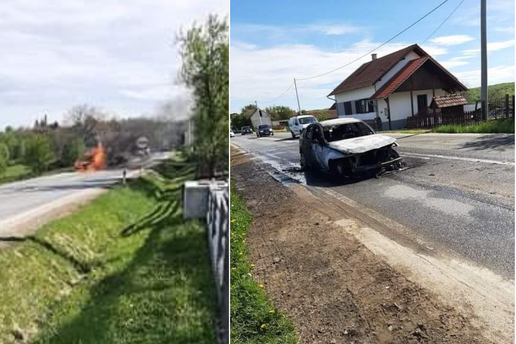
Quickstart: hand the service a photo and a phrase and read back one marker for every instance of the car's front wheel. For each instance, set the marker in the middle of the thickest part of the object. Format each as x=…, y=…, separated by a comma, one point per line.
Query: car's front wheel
x=293, y=135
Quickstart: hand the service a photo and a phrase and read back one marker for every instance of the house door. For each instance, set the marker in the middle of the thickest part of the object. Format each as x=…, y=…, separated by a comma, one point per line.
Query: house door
x=422, y=102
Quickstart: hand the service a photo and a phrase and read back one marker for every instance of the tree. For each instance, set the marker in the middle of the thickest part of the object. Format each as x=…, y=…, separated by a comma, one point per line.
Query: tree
x=323, y=117
x=84, y=119
x=39, y=153
x=248, y=107
x=4, y=157
x=205, y=69
x=279, y=112
x=238, y=120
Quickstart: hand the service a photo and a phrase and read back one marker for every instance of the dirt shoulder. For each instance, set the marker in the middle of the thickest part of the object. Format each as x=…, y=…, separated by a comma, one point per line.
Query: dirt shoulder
x=334, y=288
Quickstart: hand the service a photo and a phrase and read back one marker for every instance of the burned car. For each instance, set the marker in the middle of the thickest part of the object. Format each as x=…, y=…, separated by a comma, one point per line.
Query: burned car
x=346, y=147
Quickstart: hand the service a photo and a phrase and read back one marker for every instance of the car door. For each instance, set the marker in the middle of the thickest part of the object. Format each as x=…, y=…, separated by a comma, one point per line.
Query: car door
x=305, y=145
x=318, y=147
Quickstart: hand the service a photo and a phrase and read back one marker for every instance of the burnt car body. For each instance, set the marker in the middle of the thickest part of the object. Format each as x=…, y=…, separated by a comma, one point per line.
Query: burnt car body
x=246, y=130
x=346, y=146
x=264, y=130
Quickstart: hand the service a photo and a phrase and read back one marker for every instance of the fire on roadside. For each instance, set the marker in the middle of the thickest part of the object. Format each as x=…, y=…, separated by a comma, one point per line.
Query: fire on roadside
x=93, y=160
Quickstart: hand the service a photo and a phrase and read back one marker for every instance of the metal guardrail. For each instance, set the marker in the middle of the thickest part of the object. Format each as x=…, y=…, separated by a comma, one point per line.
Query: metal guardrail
x=218, y=240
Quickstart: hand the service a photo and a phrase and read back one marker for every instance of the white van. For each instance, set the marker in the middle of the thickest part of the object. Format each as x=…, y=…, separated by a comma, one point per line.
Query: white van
x=298, y=123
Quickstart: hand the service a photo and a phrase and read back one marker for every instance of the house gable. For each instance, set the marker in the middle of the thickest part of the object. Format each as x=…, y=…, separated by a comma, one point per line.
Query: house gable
x=420, y=74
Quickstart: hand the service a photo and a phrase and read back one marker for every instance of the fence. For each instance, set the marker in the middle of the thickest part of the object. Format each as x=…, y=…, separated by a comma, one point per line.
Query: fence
x=428, y=119
x=218, y=239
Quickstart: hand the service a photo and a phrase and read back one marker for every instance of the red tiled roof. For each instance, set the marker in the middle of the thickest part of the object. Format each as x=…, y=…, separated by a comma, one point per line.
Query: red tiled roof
x=399, y=78
x=372, y=71
x=448, y=101
x=410, y=68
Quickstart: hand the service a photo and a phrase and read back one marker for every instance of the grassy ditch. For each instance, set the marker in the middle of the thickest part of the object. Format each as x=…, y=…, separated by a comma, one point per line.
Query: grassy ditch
x=253, y=318
x=501, y=125
x=124, y=269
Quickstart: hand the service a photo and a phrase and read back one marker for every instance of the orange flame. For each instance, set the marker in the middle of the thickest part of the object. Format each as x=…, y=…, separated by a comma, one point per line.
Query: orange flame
x=93, y=160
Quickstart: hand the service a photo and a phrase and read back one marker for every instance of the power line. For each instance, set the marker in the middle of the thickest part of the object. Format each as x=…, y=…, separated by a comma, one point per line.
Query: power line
x=378, y=47
x=444, y=21
x=270, y=101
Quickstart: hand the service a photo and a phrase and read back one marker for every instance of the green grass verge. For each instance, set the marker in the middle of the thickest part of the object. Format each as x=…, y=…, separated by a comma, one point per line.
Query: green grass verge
x=124, y=269
x=406, y=131
x=15, y=172
x=253, y=318
x=493, y=126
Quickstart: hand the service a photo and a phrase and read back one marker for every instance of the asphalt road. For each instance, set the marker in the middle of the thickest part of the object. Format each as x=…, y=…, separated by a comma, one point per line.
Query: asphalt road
x=32, y=199
x=456, y=192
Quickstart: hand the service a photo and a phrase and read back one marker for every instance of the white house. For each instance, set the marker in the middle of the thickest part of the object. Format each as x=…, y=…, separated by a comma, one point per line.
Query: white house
x=401, y=84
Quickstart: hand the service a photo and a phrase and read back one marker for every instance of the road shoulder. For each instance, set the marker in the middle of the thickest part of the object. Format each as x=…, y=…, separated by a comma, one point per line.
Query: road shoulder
x=333, y=283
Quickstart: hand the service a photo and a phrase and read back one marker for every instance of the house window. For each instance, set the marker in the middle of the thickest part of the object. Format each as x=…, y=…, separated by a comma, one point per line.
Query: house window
x=422, y=102
x=358, y=106
x=363, y=106
x=370, y=106
x=347, y=108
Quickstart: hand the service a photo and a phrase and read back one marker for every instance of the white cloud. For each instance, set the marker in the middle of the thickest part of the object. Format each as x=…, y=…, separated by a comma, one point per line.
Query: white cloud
x=118, y=54
x=508, y=29
x=452, y=40
x=491, y=46
x=334, y=30
x=278, y=31
x=495, y=75
x=434, y=51
x=453, y=63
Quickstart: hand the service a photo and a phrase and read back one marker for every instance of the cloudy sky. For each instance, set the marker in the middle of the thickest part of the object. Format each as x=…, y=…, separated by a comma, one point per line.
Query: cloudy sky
x=117, y=55
x=274, y=41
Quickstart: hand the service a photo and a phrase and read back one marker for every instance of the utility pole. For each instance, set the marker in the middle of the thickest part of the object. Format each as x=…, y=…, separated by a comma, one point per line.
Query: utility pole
x=259, y=113
x=297, y=95
x=483, y=53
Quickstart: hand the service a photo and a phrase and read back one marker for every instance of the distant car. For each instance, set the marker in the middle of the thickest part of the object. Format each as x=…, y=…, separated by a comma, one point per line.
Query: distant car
x=264, y=130
x=346, y=146
x=246, y=130
x=231, y=134
x=298, y=123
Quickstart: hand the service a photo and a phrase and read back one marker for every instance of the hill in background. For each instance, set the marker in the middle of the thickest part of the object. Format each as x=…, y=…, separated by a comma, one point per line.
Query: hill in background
x=496, y=93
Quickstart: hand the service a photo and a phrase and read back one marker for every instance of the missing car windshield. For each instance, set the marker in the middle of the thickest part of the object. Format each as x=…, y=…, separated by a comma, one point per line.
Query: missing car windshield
x=346, y=131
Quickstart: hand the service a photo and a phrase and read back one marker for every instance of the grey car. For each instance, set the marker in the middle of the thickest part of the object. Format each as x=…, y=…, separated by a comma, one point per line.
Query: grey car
x=346, y=146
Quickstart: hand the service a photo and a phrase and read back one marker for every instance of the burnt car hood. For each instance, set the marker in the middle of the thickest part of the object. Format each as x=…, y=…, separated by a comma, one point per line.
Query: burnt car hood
x=362, y=144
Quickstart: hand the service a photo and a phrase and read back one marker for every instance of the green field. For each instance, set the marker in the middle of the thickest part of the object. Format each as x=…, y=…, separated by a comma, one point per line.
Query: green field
x=126, y=268
x=254, y=320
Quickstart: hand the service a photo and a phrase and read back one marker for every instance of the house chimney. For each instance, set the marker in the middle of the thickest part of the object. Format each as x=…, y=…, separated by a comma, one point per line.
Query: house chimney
x=373, y=56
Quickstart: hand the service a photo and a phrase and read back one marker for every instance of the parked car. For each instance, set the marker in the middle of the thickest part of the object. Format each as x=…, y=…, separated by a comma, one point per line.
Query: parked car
x=298, y=123
x=346, y=146
x=246, y=130
x=231, y=134
x=264, y=130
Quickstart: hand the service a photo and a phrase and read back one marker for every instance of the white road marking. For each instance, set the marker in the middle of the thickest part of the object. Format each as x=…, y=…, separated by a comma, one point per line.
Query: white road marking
x=484, y=161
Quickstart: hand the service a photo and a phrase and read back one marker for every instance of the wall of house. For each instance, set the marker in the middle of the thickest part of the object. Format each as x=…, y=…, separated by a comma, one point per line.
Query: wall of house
x=361, y=93
x=400, y=107
x=397, y=67
x=429, y=96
